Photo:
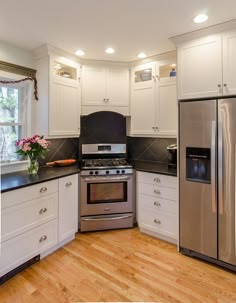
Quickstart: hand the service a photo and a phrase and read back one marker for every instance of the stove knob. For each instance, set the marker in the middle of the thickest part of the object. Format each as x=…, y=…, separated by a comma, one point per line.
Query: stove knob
x=96, y=172
x=107, y=172
x=117, y=171
x=123, y=171
x=91, y=172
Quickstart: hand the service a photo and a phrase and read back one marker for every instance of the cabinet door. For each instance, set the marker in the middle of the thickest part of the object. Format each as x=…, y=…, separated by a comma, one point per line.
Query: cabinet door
x=167, y=108
x=93, y=86
x=68, y=206
x=117, y=87
x=229, y=63
x=64, y=117
x=200, y=68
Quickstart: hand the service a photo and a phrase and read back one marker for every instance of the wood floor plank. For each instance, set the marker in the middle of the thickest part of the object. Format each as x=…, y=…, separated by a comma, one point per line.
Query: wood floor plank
x=120, y=266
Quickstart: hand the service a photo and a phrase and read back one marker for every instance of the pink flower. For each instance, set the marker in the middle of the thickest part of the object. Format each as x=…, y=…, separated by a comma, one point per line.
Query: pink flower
x=26, y=147
x=43, y=143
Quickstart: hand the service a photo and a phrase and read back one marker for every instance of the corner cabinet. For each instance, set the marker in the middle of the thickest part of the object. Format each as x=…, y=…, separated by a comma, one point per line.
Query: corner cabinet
x=206, y=66
x=154, y=110
x=105, y=88
x=157, y=205
x=59, y=106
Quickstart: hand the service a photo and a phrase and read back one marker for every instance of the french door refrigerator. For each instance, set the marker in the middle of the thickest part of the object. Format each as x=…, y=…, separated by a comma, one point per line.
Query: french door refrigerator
x=207, y=149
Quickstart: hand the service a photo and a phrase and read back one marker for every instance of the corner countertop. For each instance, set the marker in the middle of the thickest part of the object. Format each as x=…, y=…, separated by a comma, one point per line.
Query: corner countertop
x=21, y=179
x=154, y=167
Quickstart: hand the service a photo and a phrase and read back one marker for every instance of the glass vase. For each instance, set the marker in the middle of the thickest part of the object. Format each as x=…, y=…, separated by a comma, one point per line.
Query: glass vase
x=33, y=166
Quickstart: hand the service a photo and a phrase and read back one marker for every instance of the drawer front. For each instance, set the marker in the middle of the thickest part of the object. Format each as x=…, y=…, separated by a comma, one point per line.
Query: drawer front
x=157, y=179
x=20, y=249
x=157, y=204
x=25, y=216
x=28, y=193
x=163, y=223
x=158, y=191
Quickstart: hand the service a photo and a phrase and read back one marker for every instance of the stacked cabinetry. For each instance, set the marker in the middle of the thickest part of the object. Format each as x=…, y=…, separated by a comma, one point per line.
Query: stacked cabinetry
x=157, y=207
x=105, y=88
x=36, y=219
x=59, y=107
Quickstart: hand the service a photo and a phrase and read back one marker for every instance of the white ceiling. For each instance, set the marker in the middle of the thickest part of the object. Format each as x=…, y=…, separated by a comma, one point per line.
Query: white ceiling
x=130, y=26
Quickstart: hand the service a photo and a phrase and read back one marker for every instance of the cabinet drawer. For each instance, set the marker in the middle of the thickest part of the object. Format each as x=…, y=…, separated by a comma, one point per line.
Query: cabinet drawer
x=158, y=191
x=164, y=223
x=157, y=204
x=160, y=180
x=28, y=193
x=24, y=216
x=20, y=249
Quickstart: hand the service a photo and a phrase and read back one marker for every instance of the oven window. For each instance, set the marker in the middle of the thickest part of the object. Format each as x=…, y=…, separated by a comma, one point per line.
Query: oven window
x=109, y=192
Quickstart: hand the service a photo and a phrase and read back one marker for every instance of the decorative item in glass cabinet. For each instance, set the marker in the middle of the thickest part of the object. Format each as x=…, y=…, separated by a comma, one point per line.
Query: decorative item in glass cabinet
x=33, y=148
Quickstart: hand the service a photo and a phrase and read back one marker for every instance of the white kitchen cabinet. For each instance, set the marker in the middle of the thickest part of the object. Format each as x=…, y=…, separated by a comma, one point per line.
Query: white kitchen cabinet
x=157, y=206
x=153, y=102
x=59, y=107
x=68, y=206
x=105, y=88
x=206, y=66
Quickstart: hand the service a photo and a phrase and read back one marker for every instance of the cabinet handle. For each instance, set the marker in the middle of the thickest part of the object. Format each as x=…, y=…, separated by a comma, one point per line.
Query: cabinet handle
x=157, y=203
x=43, y=210
x=219, y=85
x=68, y=184
x=157, y=221
x=43, y=238
x=43, y=189
x=157, y=128
x=225, y=84
x=157, y=180
x=156, y=191
x=154, y=78
x=108, y=100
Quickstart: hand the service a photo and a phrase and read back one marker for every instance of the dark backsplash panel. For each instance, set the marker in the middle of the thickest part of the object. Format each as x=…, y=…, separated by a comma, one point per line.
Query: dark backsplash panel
x=61, y=149
x=149, y=149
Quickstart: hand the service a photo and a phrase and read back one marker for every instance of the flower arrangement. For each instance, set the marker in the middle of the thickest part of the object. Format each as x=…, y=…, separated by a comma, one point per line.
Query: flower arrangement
x=33, y=147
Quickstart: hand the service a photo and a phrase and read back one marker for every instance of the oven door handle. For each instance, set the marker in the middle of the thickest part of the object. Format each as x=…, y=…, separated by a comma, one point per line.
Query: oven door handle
x=108, y=179
x=106, y=219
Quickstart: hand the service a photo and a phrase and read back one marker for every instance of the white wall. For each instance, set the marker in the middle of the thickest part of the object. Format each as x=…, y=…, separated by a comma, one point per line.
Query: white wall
x=16, y=55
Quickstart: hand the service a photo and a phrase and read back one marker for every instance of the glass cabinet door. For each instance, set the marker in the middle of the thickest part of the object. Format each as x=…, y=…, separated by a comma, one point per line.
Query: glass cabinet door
x=144, y=76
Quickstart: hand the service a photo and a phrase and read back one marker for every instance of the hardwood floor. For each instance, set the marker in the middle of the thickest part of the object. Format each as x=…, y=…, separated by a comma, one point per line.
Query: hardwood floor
x=120, y=265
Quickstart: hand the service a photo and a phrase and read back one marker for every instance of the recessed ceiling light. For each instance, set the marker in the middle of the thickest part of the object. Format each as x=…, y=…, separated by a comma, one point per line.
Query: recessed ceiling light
x=200, y=18
x=110, y=50
x=79, y=52
x=142, y=55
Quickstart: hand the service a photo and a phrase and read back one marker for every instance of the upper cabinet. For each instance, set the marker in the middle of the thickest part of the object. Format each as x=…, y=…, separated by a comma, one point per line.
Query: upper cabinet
x=59, y=106
x=154, y=109
x=206, y=66
x=105, y=88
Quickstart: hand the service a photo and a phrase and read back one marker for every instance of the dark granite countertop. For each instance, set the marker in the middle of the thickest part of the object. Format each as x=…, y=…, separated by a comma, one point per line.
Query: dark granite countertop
x=154, y=167
x=22, y=178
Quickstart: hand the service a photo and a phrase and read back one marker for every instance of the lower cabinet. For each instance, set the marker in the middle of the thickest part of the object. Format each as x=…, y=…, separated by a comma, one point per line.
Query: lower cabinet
x=157, y=206
x=37, y=222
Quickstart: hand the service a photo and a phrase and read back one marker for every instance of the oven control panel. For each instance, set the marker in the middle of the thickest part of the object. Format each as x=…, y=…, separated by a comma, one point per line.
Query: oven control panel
x=106, y=172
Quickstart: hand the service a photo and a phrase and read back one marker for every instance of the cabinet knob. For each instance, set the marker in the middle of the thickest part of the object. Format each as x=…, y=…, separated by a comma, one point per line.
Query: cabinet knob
x=68, y=184
x=43, y=189
x=43, y=238
x=43, y=210
x=157, y=221
x=219, y=85
x=157, y=203
x=153, y=127
x=157, y=128
x=157, y=180
x=225, y=84
x=156, y=191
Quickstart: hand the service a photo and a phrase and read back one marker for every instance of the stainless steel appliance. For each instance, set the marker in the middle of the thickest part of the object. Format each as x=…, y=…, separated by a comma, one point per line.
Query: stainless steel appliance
x=172, y=155
x=106, y=188
x=207, y=144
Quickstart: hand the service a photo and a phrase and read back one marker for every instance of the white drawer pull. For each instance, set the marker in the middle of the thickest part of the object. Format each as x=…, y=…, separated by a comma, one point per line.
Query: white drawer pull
x=157, y=180
x=157, y=203
x=157, y=221
x=43, y=238
x=68, y=184
x=43, y=210
x=43, y=189
x=156, y=191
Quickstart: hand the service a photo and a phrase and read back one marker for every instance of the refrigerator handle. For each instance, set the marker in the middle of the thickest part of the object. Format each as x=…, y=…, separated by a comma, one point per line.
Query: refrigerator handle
x=220, y=165
x=213, y=166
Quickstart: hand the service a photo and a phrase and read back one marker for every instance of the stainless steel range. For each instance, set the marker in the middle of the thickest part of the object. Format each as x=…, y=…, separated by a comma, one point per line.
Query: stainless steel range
x=106, y=188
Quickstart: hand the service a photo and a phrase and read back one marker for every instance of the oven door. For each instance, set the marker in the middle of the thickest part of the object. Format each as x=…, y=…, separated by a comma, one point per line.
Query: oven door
x=106, y=195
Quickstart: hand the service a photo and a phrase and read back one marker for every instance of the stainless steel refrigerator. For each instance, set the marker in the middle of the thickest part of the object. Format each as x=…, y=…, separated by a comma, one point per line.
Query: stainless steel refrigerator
x=207, y=149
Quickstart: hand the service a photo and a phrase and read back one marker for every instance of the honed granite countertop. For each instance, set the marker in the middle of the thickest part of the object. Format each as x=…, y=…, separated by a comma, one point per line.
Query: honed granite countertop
x=154, y=167
x=22, y=178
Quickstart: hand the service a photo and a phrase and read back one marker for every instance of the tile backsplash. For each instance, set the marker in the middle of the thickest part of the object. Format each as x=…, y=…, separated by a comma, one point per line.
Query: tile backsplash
x=61, y=149
x=149, y=149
